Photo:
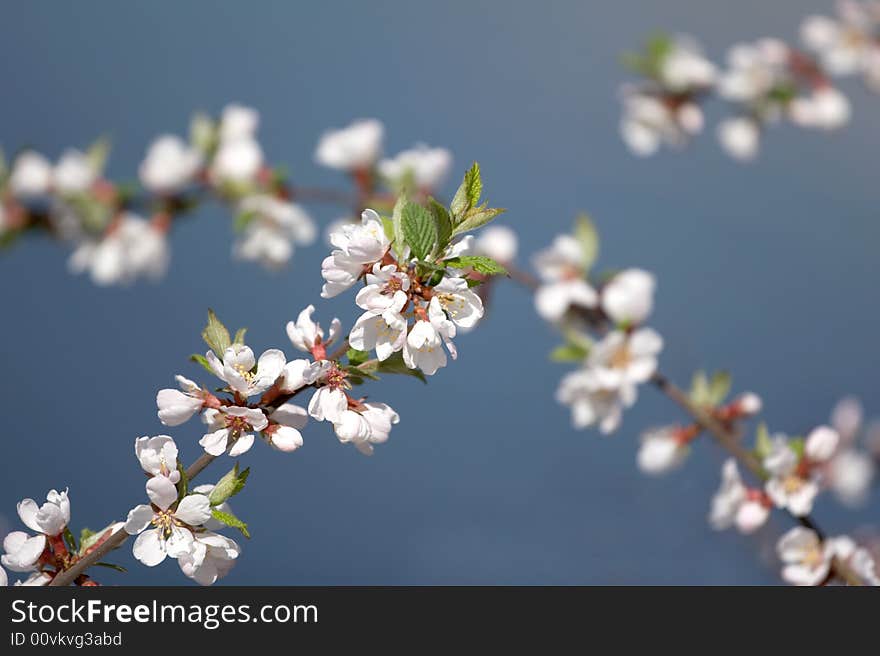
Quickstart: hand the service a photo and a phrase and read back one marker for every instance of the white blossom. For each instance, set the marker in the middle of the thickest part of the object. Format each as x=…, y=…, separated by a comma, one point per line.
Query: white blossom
x=498, y=242
x=806, y=560
x=423, y=348
x=562, y=268
x=661, y=450
x=170, y=165
x=231, y=428
x=357, y=247
x=285, y=424
x=176, y=407
x=307, y=335
x=739, y=137
x=623, y=359
x=791, y=485
x=650, y=121
x=37, y=579
x=133, y=248
x=463, y=307
x=351, y=148
x=158, y=456
x=848, y=45
x=210, y=557
x=591, y=403
x=383, y=329
x=73, y=173
x=427, y=167
x=31, y=175
x=849, y=475
x=238, y=122
x=237, y=161
x=368, y=424
x=685, y=67
x=237, y=366
x=22, y=551
x=628, y=298
x=858, y=558
x=172, y=522
x=273, y=228
x=297, y=374
x=825, y=108
x=51, y=518
x=735, y=504
x=754, y=70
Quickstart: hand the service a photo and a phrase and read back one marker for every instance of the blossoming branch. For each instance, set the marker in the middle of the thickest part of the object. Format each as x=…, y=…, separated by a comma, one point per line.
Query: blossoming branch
x=763, y=83
x=118, y=232
x=418, y=272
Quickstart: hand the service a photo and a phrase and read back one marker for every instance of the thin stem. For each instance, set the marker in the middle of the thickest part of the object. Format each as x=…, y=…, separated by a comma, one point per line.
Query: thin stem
x=726, y=438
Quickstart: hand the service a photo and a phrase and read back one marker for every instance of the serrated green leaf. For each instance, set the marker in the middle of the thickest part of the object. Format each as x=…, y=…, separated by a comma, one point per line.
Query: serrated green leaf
x=479, y=263
x=239, y=336
x=588, y=237
x=356, y=357
x=216, y=335
x=444, y=225
x=202, y=360
x=228, y=519
x=118, y=568
x=388, y=227
x=468, y=193
x=419, y=229
x=478, y=217
x=231, y=484
x=569, y=353
x=474, y=282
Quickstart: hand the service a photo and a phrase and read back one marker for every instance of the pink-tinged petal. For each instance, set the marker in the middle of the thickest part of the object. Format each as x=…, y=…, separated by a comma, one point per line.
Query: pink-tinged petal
x=286, y=439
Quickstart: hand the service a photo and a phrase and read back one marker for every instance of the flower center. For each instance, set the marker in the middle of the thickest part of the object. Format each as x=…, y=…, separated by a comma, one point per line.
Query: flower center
x=237, y=425
x=336, y=378
x=247, y=374
x=621, y=358
x=813, y=557
x=164, y=521
x=791, y=484
x=451, y=304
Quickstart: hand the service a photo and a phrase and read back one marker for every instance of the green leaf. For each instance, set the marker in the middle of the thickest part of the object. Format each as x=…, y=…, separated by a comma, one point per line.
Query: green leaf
x=797, y=444
x=397, y=225
x=388, y=227
x=69, y=540
x=719, y=387
x=202, y=360
x=356, y=357
x=588, y=237
x=699, y=393
x=228, y=486
x=419, y=229
x=183, y=483
x=243, y=220
x=444, y=225
x=231, y=520
x=479, y=263
x=763, y=443
x=203, y=132
x=98, y=153
x=569, y=353
x=392, y=365
x=239, y=336
x=88, y=538
x=216, y=335
x=468, y=194
x=118, y=568
x=478, y=217
x=474, y=282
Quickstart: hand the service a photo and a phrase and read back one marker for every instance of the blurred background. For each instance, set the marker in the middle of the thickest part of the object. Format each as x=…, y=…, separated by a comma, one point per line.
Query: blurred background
x=766, y=269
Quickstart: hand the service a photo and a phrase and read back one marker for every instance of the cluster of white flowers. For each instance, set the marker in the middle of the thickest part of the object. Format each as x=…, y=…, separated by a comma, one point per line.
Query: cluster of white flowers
x=665, y=109
x=849, y=44
x=851, y=469
x=36, y=555
x=177, y=523
x=765, y=81
x=807, y=559
x=624, y=355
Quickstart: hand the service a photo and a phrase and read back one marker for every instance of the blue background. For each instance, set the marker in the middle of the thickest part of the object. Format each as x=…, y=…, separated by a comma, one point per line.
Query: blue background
x=767, y=269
